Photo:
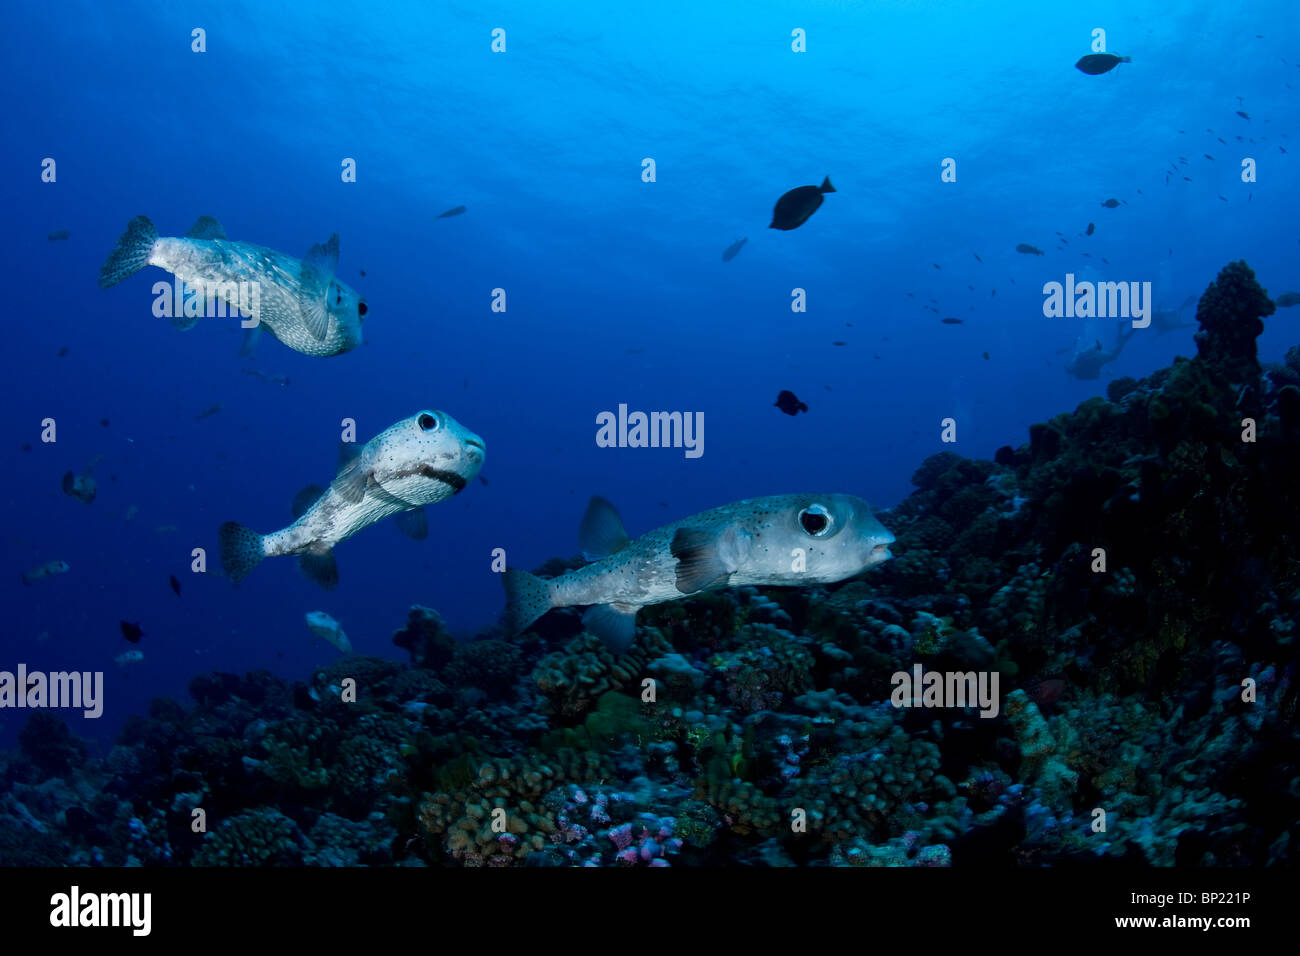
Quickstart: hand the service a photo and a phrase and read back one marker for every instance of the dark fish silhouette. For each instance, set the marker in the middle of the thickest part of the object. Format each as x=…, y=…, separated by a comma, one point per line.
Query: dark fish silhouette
x=1090, y=230
x=456, y=211
x=1111, y=203
x=131, y=631
x=729, y=253
x=58, y=234
x=793, y=209
x=176, y=585
x=1242, y=115
x=482, y=479
x=986, y=354
x=951, y=321
x=1029, y=250
x=838, y=342
x=1095, y=64
x=787, y=402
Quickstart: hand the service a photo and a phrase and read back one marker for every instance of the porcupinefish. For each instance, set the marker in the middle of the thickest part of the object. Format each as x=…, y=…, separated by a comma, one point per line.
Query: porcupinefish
x=301, y=301
x=793, y=209
x=419, y=461
x=789, y=540
x=46, y=570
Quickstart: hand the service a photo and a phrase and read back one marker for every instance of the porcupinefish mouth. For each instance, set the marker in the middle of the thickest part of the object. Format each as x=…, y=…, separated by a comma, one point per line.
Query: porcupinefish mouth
x=881, y=550
x=475, y=443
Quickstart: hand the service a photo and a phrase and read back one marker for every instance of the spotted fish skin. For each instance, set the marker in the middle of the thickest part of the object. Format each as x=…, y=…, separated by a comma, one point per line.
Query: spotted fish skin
x=287, y=287
x=757, y=541
x=419, y=461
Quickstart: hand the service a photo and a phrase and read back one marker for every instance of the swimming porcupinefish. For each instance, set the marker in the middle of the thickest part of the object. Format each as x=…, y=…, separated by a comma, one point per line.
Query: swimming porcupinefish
x=790, y=540
x=421, y=460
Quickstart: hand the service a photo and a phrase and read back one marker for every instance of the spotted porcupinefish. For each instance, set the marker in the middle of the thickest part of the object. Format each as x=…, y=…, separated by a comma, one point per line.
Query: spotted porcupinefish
x=421, y=460
x=789, y=540
x=301, y=301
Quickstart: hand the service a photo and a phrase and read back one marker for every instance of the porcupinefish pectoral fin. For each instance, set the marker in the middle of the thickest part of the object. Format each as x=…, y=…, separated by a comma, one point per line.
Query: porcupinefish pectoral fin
x=615, y=624
x=528, y=597
x=352, y=481
x=206, y=227
x=241, y=550
x=601, y=532
x=131, y=254
x=320, y=568
x=414, y=524
x=700, y=563
x=317, y=273
x=304, y=499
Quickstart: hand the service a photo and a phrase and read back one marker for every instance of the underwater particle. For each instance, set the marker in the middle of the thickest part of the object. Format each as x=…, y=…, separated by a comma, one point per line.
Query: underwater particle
x=1208, y=156
x=328, y=629
x=1111, y=203
x=935, y=264
x=788, y=403
x=1092, y=227
x=986, y=355
x=103, y=422
x=27, y=446
x=166, y=529
x=363, y=273
x=208, y=412
x=132, y=656
x=950, y=320
x=131, y=631
x=175, y=584
x=482, y=480
x=729, y=253
x=793, y=209
x=993, y=293
x=63, y=350
x=1095, y=64
x=48, y=569
x=1288, y=299
x=838, y=342
x=58, y=234
x=977, y=258
x=1029, y=250
x=453, y=211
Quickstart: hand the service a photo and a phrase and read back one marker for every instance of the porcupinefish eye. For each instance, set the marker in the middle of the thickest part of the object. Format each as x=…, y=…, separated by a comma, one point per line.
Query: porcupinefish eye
x=428, y=422
x=815, y=520
x=361, y=308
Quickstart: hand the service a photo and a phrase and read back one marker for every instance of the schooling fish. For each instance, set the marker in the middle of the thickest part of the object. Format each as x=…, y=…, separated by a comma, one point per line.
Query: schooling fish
x=1111, y=203
x=175, y=585
x=790, y=540
x=793, y=209
x=1288, y=299
x=1092, y=227
x=131, y=631
x=729, y=253
x=300, y=300
x=1095, y=64
x=454, y=211
x=419, y=461
x=48, y=569
x=1029, y=250
x=131, y=656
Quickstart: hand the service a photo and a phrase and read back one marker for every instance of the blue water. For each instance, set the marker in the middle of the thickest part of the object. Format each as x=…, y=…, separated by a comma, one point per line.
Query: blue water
x=616, y=292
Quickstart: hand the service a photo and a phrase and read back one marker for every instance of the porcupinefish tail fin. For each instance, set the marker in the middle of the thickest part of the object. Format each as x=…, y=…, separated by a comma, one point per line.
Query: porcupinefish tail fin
x=131, y=253
x=317, y=272
x=826, y=186
x=320, y=568
x=601, y=532
x=241, y=550
x=528, y=597
x=1126, y=59
x=615, y=624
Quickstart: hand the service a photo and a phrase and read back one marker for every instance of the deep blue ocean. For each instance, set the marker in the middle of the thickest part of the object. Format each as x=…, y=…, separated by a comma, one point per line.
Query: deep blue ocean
x=616, y=291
